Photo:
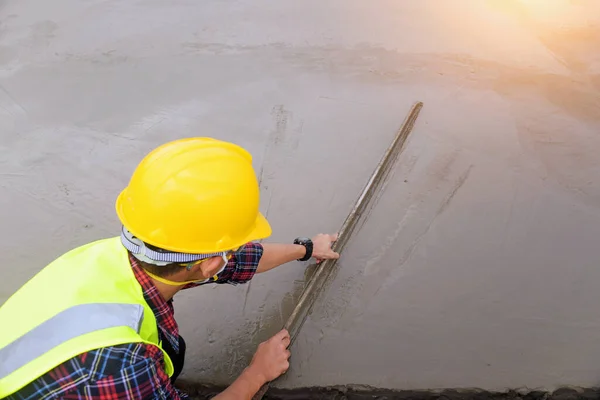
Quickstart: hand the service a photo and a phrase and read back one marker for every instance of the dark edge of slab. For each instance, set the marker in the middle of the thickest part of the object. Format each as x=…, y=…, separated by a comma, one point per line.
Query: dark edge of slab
x=201, y=392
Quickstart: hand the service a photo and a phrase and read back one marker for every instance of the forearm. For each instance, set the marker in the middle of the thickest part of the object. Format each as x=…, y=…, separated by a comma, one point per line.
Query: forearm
x=244, y=387
x=276, y=254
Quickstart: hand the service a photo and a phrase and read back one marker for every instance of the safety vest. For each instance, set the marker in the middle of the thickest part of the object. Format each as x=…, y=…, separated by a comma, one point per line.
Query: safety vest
x=87, y=299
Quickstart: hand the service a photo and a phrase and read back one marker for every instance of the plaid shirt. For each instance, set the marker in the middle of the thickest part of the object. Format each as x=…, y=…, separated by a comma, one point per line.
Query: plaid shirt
x=134, y=370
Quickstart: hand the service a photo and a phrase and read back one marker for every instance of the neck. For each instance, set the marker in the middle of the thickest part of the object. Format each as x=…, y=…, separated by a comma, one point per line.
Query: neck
x=166, y=291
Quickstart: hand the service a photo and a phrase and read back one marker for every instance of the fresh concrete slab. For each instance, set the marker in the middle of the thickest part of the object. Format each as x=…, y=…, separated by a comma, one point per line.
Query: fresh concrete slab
x=478, y=265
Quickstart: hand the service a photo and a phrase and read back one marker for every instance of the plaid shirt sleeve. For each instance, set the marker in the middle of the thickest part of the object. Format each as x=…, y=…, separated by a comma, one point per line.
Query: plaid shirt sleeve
x=125, y=372
x=240, y=268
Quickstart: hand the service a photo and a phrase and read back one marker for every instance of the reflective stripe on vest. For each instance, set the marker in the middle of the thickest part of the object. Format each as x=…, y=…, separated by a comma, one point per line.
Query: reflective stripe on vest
x=66, y=325
x=86, y=299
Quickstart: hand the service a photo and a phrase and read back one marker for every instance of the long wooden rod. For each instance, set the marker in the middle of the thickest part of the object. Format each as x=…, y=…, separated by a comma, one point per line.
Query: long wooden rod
x=316, y=282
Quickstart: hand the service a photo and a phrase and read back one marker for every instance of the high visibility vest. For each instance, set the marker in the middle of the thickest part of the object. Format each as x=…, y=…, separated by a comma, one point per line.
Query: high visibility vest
x=87, y=299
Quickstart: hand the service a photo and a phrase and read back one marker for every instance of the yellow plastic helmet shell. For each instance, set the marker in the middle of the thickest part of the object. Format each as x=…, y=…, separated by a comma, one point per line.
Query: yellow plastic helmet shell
x=194, y=195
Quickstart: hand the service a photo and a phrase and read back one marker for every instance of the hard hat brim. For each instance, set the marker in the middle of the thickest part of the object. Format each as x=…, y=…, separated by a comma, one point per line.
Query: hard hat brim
x=262, y=229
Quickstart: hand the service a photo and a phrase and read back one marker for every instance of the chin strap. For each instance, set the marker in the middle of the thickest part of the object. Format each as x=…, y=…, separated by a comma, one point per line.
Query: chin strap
x=173, y=283
x=189, y=267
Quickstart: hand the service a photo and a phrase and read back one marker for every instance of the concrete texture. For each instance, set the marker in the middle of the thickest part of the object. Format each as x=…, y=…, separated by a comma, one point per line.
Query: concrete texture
x=365, y=393
x=477, y=266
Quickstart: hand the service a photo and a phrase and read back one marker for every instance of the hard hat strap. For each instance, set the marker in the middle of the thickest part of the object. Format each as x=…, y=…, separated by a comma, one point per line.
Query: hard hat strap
x=169, y=282
x=141, y=252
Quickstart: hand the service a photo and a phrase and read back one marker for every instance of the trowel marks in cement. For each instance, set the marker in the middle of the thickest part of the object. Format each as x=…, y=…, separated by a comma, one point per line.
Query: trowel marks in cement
x=501, y=290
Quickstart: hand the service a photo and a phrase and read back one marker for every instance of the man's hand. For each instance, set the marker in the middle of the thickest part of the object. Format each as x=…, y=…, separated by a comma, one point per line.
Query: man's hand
x=322, y=247
x=271, y=359
x=269, y=362
x=276, y=254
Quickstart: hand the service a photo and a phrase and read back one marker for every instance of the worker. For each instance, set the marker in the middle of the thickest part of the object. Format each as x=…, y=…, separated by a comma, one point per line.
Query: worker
x=98, y=322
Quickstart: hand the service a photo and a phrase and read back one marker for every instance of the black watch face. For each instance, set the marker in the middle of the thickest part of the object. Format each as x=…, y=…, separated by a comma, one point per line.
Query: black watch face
x=302, y=240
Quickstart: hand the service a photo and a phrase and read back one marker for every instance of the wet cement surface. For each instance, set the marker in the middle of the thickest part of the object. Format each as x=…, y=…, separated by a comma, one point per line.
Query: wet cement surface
x=353, y=392
x=478, y=264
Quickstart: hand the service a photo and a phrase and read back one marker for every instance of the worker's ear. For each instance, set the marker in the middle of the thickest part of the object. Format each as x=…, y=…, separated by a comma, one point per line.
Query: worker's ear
x=210, y=266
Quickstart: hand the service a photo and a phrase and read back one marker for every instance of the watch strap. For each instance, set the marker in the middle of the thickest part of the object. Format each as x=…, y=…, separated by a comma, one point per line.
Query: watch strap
x=308, y=245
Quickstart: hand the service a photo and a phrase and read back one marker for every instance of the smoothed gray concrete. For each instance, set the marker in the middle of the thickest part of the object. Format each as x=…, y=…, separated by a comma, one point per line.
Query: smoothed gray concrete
x=350, y=392
x=477, y=267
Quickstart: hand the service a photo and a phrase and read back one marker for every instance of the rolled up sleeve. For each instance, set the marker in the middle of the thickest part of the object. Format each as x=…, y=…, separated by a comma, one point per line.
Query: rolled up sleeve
x=242, y=266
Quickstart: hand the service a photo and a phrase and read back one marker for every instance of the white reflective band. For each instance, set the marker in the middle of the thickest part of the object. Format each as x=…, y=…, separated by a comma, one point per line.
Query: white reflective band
x=160, y=258
x=64, y=326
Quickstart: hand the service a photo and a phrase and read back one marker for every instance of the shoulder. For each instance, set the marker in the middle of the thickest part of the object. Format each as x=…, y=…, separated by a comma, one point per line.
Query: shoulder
x=247, y=255
x=242, y=266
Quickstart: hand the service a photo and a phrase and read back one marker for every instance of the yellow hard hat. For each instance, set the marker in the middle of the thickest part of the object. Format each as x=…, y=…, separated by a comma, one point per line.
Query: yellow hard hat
x=195, y=195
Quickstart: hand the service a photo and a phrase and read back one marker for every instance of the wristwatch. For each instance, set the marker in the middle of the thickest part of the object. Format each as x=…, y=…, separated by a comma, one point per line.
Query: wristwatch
x=308, y=245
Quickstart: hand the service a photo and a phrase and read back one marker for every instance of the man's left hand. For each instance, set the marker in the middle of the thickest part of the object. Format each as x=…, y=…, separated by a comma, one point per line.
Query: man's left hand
x=322, y=247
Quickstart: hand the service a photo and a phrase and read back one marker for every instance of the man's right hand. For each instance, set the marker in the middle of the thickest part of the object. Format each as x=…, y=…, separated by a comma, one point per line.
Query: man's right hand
x=271, y=359
x=269, y=362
